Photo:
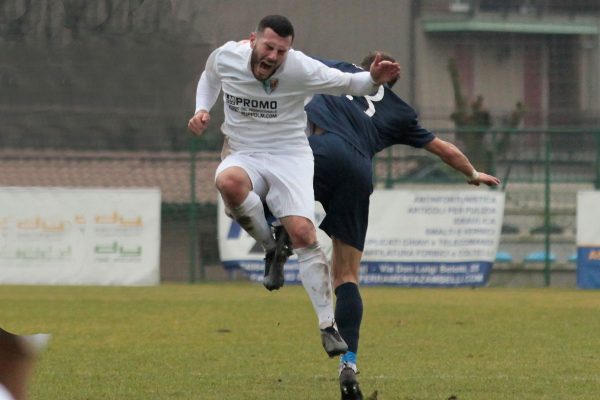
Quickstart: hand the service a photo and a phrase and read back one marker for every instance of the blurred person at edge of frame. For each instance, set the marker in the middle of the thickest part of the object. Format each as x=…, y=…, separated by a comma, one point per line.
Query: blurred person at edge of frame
x=17, y=358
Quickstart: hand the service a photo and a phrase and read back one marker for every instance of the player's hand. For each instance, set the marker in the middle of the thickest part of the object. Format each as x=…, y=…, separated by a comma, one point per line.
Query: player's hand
x=486, y=179
x=383, y=71
x=199, y=122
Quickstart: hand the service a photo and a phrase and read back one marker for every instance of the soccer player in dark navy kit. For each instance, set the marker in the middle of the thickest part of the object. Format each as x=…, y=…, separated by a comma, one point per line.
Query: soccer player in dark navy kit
x=347, y=132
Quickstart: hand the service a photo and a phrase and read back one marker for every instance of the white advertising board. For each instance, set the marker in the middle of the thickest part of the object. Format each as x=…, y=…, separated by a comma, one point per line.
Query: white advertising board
x=79, y=236
x=415, y=238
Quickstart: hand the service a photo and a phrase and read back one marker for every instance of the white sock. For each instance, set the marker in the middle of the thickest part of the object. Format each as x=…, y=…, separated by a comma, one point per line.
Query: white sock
x=251, y=216
x=316, y=279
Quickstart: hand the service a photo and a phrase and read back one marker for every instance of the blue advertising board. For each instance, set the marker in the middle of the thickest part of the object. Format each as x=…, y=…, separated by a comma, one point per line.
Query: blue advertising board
x=588, y=239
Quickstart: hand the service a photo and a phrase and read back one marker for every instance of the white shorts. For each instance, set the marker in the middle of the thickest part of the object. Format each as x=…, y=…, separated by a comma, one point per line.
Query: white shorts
x=283, y=182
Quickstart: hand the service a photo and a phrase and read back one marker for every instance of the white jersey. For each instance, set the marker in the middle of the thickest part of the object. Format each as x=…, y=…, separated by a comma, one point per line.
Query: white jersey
x=4, y=394
x=268, y=116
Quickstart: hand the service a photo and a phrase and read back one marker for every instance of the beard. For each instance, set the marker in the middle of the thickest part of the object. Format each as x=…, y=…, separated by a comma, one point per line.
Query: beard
x=261, y=69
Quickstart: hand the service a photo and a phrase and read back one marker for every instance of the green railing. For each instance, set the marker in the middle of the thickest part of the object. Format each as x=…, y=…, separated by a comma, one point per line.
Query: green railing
x=542, y=170
x=538, y=164
x=519, y=147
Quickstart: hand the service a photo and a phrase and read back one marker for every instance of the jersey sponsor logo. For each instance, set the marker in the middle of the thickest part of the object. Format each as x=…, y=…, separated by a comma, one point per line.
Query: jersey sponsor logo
x=270, y=85
x=266, y=109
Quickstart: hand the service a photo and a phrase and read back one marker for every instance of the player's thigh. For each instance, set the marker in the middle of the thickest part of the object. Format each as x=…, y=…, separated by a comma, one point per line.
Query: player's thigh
x=290, y=192
x=343, y=184
x=251, y=164
x=347, y=216
x=330, y=156
x=338, y=163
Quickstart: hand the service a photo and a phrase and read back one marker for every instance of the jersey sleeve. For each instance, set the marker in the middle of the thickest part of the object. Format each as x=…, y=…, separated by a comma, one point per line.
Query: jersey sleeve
x=397, y=123
x=417, y=136
x=209, y=85
x=359, y=82
x=319, y=78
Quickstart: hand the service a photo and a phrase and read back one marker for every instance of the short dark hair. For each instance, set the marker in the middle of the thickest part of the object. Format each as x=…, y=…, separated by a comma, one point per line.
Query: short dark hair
x=368, y=60
x=280, y=25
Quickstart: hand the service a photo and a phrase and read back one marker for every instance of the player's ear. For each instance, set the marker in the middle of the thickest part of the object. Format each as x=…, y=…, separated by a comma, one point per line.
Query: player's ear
x=252, y=40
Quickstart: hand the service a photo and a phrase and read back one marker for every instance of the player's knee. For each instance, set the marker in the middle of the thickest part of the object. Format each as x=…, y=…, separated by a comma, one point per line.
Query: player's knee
x=302, y=234
x=232, y=187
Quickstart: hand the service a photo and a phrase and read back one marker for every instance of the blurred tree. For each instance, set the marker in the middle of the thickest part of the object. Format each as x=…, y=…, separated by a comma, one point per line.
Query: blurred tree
x=112, y=74
x=473, y=120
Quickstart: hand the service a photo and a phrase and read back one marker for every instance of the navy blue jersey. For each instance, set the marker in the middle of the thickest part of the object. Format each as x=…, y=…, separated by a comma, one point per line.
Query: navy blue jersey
x=369, y=123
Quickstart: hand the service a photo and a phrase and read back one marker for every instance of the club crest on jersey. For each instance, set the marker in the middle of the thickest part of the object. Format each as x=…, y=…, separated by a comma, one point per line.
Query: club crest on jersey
x=270, y=85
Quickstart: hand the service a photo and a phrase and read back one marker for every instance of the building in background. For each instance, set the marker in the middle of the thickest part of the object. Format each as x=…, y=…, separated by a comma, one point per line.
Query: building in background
x=97, y=93
x=543, y=53
x=122, y=73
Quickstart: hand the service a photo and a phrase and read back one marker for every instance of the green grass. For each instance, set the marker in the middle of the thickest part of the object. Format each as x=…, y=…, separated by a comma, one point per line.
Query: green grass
x=238, y=341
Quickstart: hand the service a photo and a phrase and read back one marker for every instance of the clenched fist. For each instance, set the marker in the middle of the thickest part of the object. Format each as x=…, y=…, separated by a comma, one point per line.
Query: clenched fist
x=199, y=122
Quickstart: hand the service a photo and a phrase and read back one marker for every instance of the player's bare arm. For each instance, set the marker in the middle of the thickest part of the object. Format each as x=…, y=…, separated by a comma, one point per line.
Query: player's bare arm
x=199, y=122
x=451, y=155
x=383, y=71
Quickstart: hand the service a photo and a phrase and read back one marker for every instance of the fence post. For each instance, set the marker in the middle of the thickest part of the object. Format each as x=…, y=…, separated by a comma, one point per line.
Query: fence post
x=389, y=180
x=597, y=178
x=493, y=153
x=547, y=144
x=192, y=212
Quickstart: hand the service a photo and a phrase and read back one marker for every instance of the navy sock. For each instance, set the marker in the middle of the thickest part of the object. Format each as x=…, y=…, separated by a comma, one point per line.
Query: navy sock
x=348, y=313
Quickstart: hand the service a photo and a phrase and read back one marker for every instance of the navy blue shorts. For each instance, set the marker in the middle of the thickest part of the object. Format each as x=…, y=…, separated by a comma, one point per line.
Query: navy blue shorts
x=343, y=183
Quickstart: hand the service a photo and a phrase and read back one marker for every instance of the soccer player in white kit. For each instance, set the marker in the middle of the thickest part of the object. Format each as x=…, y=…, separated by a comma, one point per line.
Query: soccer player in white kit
x=265, y=84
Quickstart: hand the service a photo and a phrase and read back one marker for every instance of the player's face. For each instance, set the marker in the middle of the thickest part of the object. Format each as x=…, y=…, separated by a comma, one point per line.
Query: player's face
x=268, y=52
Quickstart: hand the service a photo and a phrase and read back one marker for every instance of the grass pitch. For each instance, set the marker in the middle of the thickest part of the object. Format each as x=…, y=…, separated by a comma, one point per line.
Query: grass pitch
x=238, y=341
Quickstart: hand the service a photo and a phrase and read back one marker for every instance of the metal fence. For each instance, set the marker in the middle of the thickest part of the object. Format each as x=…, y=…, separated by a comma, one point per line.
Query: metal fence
x=97, y=94
x=541, y=170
